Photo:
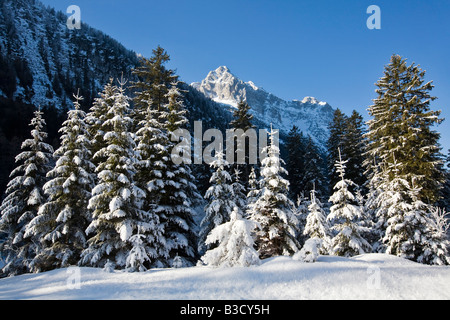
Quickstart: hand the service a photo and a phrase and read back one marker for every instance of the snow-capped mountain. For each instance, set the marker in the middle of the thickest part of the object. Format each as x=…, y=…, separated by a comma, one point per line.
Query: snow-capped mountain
x=309, y=114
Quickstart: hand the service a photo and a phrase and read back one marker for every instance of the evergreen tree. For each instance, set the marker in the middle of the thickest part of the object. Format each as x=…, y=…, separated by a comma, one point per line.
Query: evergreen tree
x=445, y=192
x=96, y=118
x=411, y=228
x=336, y=142
x=243, y=121
x=437, y=250
x=295, y=163
x=240, y=199
x=61, y=221
x=301, y=212
x=314, y=169
x=235, y=243
x=402, y=129
x=220, y=196
x=253, y=192
x=23, y=198
x=148, y=173
x=346, y=134
x=116, y=200
x=345, y=214
x=353, y=150
x=177, y=192
x=153, y=84
x=168, y=183
x=273, y=210
x=242, y=117
x=316, y=223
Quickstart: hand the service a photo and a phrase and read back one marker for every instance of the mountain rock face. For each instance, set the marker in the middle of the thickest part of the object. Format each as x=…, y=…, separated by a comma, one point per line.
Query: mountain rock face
x=310, y=115
x=43, y=63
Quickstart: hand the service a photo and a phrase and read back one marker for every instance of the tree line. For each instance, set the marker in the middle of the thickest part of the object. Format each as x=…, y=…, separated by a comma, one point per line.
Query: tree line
x=111, y=197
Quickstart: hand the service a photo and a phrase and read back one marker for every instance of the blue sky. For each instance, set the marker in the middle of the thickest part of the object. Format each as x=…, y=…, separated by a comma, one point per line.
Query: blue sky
x=292, y=48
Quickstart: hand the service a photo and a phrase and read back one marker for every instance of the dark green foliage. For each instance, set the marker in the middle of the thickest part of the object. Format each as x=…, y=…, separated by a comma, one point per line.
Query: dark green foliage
x=346, y=134
x=242, y=120
x=401, y=130
x=295, y=163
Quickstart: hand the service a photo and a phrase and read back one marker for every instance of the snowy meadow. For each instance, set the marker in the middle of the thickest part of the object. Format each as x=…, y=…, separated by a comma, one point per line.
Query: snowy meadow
x=370, y=276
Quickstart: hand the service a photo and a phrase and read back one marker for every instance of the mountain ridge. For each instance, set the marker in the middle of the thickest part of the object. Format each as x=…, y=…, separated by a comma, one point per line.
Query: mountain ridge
x=309, y=114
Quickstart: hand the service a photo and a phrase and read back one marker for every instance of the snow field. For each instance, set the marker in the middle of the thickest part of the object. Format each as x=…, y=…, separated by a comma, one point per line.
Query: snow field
x=370, y=276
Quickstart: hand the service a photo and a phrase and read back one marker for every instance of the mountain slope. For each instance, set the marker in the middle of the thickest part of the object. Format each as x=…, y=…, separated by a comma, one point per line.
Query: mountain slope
x=43, y=62
x=310, y=115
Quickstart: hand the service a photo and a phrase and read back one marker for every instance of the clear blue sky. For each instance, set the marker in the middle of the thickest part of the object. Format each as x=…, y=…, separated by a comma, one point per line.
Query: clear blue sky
x=292, y=48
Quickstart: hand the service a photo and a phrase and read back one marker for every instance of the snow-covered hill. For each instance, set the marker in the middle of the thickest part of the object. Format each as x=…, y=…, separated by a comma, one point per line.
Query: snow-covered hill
x=310, y=115
x=371, y=276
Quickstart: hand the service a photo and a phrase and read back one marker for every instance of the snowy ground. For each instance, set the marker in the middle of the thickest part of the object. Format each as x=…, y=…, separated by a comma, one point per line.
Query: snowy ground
x=372, y=276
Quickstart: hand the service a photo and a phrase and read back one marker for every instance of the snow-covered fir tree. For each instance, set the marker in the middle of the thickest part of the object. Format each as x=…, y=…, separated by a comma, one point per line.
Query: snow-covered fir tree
x=335, y=142
x=235, y=243
x=24, y=196
x=152, y=143
x=411, y=230
x=96, y=118
x=273, y=210
x=317, y=225
x=240, y=199
x=344, y=215
x=437, y=251
x=314, y=169
x=295, y=163
x=168, y=183
x=402, y=129
x=242, y=120
x=152, y=87
x=301, y=212
x=61, y=221
x=253, y=189
x=220, y=197
x=116, y=200
x=177, y=190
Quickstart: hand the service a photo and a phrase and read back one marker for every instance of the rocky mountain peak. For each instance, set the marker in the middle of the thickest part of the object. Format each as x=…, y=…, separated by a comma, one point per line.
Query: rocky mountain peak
x=310, y=115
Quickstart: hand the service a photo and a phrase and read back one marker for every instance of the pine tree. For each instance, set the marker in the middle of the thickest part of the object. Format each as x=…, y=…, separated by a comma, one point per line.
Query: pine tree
x=153, y=84
x=61, y=221
x=301, y=212
x=273, y=210
x=235, y=243
x=23, y=198
x=335, y=142
x=95, y=119
x=178, y=192
x=445, y=192
x=314, y=169
x=345, y=214
x=116, y=200
x=437, y=251
x=242, y=117
x=346, y=134
x=240, y=199
x=411, y=229
x=353, y=149
x=243, y=121
x=220, y=196
x=295, y=163
x=316, y=223
x=402, y=129
x=168, y=183
x=148, y=173
x=253, y=190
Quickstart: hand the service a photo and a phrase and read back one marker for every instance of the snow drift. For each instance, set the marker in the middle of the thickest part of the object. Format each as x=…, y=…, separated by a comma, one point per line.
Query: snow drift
x=371, y=276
